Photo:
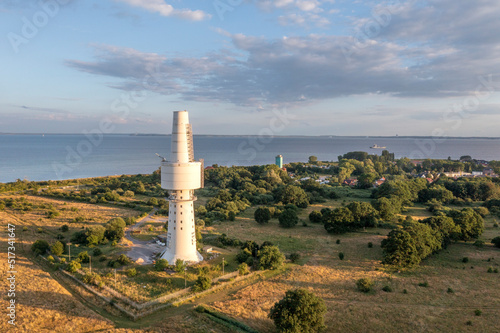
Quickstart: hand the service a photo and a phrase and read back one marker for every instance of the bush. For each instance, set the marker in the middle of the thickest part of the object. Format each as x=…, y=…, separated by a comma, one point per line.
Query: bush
x=423, y=284
x=315, y=217
x=370, y=245
x=123, y=259
x=478, y=312
x=479, y=243
x=73, y=266
x=262, y=215
x=65, y=228
x=294, y=257
x=270, y=257
x=341, y=255
x=180, y=265
x=465, y=260
x=57, y=249
x=243, y=269
x=450, y=291
x=97, y=252
x=25, y=228
x=161, y=264
x=93, y=279
x=40, y=246
x=337, y=241
x=490, y=270
x=84, y=257
x=202, y=283
x=364, y=285
x=131, y=272
x=299, y=311
x=387, y=289
x=496, y=241
x=50, y=259
x=115, y=229
x=288, y=218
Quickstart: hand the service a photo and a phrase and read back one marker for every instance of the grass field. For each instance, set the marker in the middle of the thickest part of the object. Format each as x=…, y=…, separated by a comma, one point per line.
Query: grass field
x=419, y=309
x=47, y=304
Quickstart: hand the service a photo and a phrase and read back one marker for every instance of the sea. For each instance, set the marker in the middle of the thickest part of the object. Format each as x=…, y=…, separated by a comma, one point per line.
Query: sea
x=38, y=157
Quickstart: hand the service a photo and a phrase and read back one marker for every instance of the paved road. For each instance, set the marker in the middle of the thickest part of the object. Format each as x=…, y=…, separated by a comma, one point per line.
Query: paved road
x=139, y=248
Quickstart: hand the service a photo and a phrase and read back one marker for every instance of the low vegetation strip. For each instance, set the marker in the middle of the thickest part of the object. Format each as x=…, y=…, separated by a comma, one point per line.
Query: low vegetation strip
x=222, y=319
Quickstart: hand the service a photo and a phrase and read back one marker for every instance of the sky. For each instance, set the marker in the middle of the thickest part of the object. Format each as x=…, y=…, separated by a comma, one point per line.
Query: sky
x=259, y=67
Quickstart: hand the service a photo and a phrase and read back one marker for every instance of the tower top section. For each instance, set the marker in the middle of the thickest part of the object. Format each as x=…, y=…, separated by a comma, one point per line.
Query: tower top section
x=181, y=172
x=182, y=139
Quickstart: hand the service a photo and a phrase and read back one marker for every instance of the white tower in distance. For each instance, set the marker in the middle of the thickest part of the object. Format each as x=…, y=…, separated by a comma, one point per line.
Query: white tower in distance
x=180, y=176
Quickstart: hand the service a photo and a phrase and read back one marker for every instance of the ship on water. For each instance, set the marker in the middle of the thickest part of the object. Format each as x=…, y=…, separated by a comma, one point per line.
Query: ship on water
x=375, y=146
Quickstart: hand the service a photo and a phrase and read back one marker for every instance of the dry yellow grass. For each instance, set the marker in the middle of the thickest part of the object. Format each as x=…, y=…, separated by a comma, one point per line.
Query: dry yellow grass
x=421, y=309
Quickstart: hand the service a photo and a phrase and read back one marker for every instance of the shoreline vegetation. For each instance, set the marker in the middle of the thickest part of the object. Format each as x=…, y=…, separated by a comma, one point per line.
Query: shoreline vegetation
x=394, y=241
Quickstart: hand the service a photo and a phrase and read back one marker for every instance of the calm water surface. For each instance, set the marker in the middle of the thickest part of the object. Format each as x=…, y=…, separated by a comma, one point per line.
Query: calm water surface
x=44, y=157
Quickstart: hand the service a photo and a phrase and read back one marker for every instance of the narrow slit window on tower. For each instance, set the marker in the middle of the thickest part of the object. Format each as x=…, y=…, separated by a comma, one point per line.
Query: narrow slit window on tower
x=181, y=228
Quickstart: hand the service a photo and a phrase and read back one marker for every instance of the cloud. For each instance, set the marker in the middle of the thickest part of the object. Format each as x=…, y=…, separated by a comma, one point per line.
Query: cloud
x=436, y=56
x=164, y=9
x=49, y=110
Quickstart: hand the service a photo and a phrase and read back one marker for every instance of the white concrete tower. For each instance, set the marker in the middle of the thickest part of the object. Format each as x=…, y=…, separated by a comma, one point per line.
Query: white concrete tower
x=181, y=175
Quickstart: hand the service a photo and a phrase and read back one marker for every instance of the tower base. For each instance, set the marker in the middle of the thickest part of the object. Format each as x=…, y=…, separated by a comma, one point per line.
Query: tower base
x=172, y=258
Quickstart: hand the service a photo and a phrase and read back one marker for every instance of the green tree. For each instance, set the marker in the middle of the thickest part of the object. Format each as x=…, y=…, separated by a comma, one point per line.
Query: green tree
x=496, y=241
x=40, y=246
x=288, y=218
x=262, y=215
x=270, y=257
x=363, y=213
x=203, y=282
x=115, y=229
x=444, y=229
x=128, y=194
x=180, y=265
x=387, y=208
x=243, y=269
x=57, y=248
x=470, y=222
x=73, y=266
x=294, y=195
x=161, y=264
x=84, y=257
x=366, y=180
x=425, y=240
x=152, y=202
x=123, y=259
x=65, y=228
x=315, y=216
x=400, y=249
x=338, y=221
x=94, y=235
x=299, y=311
x=313, y=159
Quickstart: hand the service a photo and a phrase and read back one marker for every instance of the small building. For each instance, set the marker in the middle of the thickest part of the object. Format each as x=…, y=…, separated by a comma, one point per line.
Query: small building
x=279, y=161
x=488, y=172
